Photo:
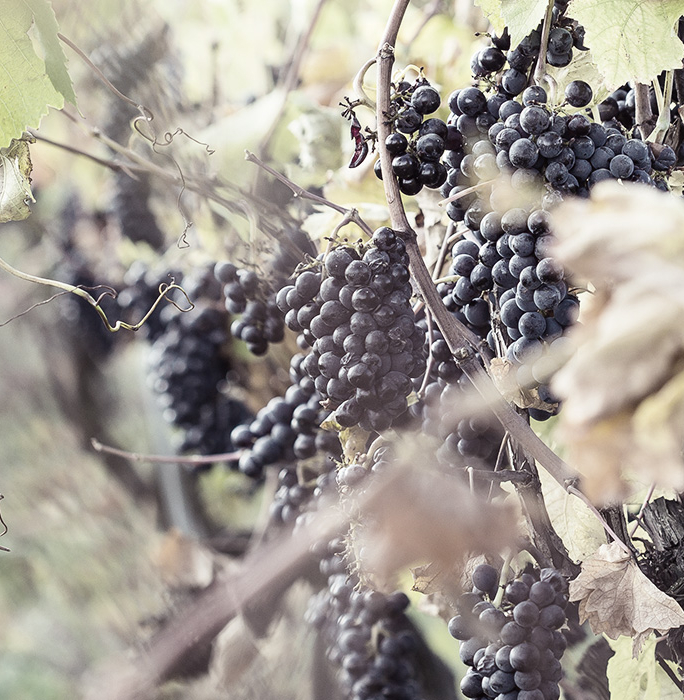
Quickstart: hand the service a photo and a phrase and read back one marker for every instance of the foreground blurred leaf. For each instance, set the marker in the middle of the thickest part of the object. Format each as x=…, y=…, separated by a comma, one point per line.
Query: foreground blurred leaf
x=427, y=517
x=622, y=389
x=618, y=599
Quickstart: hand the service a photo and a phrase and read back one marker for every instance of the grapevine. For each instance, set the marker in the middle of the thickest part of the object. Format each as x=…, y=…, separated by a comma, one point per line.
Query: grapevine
x=405, y=413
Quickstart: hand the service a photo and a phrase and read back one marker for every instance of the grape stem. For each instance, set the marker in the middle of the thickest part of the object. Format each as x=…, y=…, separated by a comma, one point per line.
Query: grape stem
x=637, y=520
x=503, y=579
x=664, y=98
x=540, y=74
x=164, y=290
x=459, y=339
x=352, y=214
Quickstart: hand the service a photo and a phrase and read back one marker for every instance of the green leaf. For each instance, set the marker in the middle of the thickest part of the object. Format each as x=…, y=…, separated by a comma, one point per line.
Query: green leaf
x=55, y=60
x=631, y=39
x=25, y=88
x=492, y=11
x=520, y=16
x=640, y=678
x=15, y=181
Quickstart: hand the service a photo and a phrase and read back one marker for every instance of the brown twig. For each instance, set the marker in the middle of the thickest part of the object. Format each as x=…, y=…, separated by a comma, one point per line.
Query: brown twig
x=461, y=341
x=163, y=459
x=352, y=214
x=203, y=620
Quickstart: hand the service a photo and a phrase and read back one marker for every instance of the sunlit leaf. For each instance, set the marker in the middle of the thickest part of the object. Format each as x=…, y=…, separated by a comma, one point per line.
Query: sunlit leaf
x=26, y=90
x=631, y=39
x=55, y=60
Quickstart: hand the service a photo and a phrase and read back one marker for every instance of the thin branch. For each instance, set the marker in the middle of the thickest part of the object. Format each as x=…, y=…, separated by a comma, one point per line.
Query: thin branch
x=357, y=85
x=461, y=341
x=103, y=78
x=105, y=162
x=298, y=191
x=163, y=459
x=466, y=192
x=540, y=69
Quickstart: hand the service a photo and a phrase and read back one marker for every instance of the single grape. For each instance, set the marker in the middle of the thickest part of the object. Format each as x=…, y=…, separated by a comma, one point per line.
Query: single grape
x=578, y=93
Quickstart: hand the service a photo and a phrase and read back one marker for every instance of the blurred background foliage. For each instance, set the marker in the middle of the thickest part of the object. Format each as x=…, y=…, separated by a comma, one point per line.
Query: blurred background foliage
x=87, y=575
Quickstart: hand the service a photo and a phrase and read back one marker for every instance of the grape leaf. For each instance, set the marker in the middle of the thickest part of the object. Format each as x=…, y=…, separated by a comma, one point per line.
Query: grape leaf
x=631, y=39
x=618, y=599
x=26, y=90
x=15, y=181
x=520, y=16
x=55, y=60
x=580, y=531
x=638, y=679
x=492, y=11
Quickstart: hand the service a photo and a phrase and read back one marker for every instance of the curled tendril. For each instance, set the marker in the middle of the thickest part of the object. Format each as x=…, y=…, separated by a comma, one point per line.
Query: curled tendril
x=4, y=532
x=164, y=290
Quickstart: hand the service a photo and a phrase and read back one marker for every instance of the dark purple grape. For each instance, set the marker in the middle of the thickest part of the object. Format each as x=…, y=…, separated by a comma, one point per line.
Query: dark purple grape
x=425, y=99
x=578, y=93
x=524, y=656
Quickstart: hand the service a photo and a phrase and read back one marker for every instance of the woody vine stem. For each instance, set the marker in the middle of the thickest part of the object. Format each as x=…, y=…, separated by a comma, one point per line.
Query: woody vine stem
x=455, y=334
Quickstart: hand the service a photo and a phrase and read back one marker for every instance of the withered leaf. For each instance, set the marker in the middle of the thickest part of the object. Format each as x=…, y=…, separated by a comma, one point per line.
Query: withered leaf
x=618, y=599
x=428, y=517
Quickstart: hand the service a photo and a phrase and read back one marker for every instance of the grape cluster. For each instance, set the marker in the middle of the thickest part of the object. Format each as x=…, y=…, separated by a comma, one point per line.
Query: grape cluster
x=188, y=366
x=369, y=637
x=129, y=68
x=564, y=36
x=261, y=322
x=355, y=312
x=513, y=651
x=287, y=428
x=505, y=283
x=417, y=144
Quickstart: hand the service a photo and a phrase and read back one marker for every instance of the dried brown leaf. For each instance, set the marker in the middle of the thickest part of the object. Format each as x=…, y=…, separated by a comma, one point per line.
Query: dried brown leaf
x=428, y=517
x=618, y=599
